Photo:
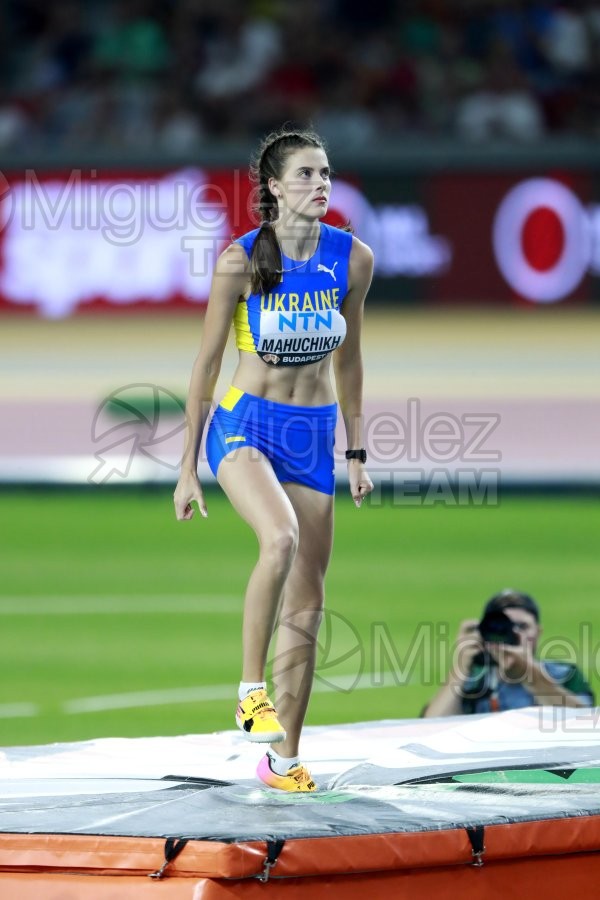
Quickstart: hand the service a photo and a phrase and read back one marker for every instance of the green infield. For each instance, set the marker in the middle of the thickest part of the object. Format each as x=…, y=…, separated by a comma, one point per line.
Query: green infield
x=117, y=620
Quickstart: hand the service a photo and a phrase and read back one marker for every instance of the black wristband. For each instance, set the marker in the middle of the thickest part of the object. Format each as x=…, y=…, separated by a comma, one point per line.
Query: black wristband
x=361, y=455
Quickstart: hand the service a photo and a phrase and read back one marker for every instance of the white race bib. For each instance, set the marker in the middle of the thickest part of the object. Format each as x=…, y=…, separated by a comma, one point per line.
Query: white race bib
x=299, y=338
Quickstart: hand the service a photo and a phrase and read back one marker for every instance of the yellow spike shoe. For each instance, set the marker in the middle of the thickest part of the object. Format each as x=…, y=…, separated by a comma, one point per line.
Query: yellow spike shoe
x=257, y=718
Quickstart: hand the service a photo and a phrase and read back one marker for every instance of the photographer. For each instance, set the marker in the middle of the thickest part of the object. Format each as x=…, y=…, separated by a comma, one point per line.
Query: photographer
x=494, y=667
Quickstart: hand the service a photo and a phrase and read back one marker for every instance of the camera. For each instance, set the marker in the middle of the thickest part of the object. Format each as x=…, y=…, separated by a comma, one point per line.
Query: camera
x=497, y=628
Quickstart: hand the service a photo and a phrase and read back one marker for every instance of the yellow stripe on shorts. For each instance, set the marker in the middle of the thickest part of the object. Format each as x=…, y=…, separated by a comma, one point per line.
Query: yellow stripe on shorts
x=238, y=437
x=231, y=398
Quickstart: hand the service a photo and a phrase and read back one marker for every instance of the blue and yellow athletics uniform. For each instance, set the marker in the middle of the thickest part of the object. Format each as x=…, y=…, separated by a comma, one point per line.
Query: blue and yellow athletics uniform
x=298, y=323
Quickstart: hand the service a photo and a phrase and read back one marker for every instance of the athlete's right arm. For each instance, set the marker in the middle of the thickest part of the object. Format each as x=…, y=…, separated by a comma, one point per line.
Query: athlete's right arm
x=229, y=283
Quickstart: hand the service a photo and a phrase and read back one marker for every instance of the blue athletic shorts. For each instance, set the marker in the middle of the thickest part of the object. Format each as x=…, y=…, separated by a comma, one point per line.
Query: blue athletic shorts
x=297, y=440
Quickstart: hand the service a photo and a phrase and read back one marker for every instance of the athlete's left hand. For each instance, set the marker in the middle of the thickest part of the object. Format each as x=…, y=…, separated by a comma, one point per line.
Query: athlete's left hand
x=360, y=483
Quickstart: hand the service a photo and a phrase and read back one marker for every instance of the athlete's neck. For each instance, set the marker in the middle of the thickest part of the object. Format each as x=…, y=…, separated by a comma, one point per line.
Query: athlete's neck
x=298, y=239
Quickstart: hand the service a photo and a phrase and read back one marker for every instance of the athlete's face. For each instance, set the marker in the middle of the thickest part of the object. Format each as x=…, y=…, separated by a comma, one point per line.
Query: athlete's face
x=304, y=186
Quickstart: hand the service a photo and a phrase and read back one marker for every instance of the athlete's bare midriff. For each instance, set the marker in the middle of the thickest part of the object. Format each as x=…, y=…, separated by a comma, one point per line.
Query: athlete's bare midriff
x=308, y=385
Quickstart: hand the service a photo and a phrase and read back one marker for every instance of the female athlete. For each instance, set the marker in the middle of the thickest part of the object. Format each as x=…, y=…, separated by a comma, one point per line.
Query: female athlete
x=295, y=289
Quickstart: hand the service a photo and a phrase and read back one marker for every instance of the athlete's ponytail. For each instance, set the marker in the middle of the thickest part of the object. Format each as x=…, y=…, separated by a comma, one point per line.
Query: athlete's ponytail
x=266, y=264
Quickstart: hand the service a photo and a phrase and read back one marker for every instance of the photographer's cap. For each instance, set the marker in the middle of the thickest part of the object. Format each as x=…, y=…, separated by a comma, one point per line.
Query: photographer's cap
x=510, y=599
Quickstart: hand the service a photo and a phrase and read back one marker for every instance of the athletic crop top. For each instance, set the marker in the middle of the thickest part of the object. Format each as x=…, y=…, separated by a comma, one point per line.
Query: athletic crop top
x=299, y=322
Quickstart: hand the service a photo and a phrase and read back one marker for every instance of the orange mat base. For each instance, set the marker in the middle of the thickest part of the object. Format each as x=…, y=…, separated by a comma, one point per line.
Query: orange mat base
x=553, y=878
x=555, y=857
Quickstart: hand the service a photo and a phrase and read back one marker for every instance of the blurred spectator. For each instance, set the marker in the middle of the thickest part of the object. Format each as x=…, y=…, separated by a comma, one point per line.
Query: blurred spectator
x=502, y=108
x=99, y=73
x=15, y=125
x=131, y=40
x=179, y=129
x=592, y=21
x=341, y=121
x=240, y=53
x=567, y=41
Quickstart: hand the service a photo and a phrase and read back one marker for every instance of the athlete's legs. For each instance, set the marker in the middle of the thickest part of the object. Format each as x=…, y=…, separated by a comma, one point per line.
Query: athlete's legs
x=301, y=611
x=248, y=479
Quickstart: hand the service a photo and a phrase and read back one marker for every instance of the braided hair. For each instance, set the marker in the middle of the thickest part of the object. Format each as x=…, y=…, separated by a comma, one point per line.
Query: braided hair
x=270, y=161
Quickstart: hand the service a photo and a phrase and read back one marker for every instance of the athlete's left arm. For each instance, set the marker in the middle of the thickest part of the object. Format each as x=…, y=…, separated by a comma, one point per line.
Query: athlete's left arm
x=348, y=365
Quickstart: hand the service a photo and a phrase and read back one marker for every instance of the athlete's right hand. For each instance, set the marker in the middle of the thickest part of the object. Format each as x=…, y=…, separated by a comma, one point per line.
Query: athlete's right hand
x=188, y=489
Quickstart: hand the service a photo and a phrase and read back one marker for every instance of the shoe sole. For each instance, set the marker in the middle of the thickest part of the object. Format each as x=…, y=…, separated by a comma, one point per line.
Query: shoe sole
x=267, y=737
x=283, y=790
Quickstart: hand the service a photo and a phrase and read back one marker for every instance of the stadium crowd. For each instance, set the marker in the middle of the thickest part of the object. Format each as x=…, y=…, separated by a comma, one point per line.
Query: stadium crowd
x=174, y=74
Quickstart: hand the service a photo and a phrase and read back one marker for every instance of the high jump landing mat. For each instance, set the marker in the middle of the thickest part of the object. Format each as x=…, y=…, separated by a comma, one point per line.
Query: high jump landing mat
x=471, y=807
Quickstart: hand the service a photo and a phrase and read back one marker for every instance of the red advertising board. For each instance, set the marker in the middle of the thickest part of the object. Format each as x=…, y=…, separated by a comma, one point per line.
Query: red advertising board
x=516, y=238
x=83, y=239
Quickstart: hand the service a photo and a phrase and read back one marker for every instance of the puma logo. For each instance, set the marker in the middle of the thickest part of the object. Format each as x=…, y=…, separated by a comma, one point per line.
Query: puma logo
x=322, y=268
